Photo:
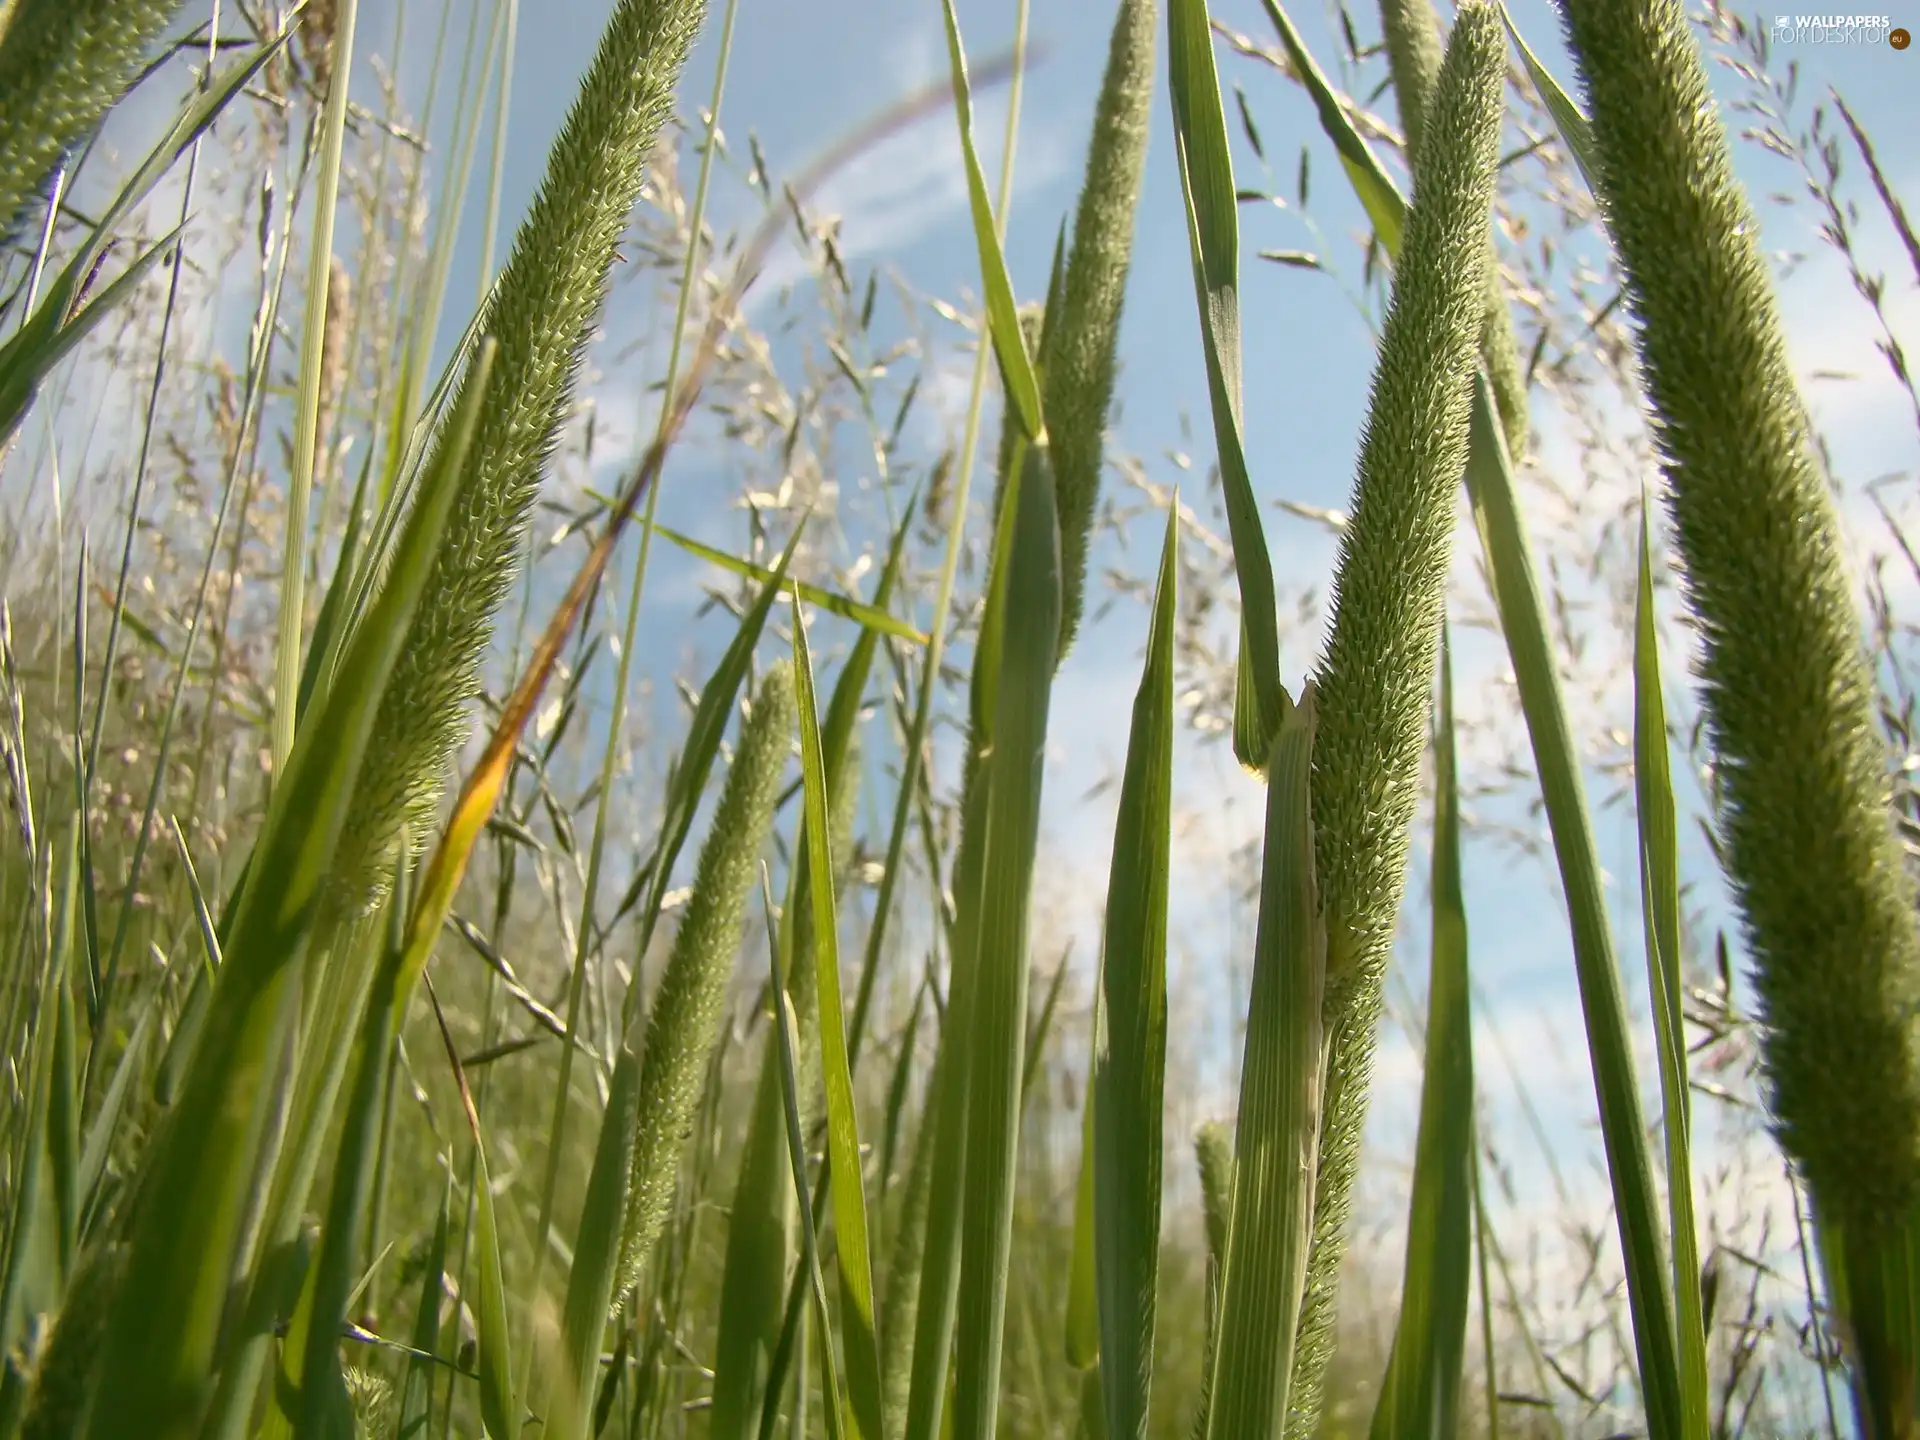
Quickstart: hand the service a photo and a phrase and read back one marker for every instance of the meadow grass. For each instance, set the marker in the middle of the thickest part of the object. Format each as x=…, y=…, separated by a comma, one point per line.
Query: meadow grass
x=338, y=1107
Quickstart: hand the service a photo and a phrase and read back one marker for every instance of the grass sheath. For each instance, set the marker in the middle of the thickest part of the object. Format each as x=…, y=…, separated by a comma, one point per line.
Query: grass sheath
x=1377, y=677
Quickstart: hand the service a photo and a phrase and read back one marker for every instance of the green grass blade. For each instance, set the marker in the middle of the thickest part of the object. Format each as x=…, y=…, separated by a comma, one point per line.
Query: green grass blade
x=1523, y=621
x=1660, y=908
x=596, y=1255
x=61, y=320
x=786, y=1031
x=760, y=1220
x=1130, y=1057
x=499, y=1410
x=416, y=1396
x=997, y=1024
x=873, y=617
x=1213, y=232
x=857, y=1338
x=1083, y=1298
x=197, y=1174
x=319, y=1381
x=1277, y=1139
x=1568, y=118
x=27, y=358
x=1003, y=316
x=1368, y=176
x=1420, y=1397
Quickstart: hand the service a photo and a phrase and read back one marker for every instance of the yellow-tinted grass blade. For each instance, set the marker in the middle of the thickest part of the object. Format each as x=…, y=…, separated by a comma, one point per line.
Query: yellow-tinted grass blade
x=843, y=1133
x=1130, y=1055
x=199, y=1171
x=1213, y=233
x=1277, y=1138
x=1660, y=909
x=1003, y=317
x=1420, y=1397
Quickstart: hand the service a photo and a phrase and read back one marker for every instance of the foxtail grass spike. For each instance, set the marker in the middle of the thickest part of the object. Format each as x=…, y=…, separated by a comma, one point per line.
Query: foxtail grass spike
x=1079, y=358
x=543, y=310
x=1376, y=680
x=685, y=1018
x=1808, y=842
x=1412, y=32
x=63, y=65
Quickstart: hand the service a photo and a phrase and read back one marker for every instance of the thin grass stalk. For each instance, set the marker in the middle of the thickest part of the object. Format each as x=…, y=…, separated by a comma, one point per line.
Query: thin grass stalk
x=1377, y=675
x=103, y=969
x=308, y=399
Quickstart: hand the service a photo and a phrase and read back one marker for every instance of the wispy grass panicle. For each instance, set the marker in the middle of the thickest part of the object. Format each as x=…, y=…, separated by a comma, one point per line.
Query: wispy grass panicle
x=1808, y=841
x=543, y=310
x=1376, y=680
x=685, y=1014
x=1414, y=51
x=1082, y=338
x=63, y=65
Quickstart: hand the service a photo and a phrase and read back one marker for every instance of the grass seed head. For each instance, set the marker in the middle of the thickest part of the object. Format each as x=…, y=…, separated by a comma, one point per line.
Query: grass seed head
x=1789, y=700
x=1083, y=338
x=685, y=1018
x=1376, y=681
x=542, y=313
x=63, y=65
